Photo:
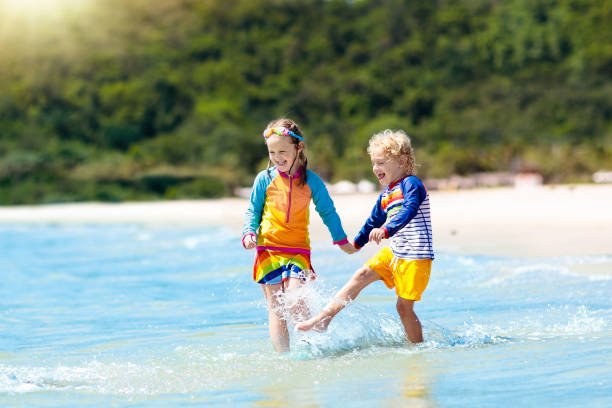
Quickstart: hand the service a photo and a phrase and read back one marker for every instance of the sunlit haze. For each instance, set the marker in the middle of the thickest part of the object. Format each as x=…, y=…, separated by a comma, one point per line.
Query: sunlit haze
x=15, y=13
x=36, y=7
x=27, y=27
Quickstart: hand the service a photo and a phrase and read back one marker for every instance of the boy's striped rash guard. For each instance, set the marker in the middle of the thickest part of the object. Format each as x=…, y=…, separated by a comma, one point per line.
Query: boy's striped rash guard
x=278, y=212
x=405, y=204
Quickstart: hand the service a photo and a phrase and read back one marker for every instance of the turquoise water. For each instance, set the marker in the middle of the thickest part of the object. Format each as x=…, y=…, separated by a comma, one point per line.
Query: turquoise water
x=130, y=315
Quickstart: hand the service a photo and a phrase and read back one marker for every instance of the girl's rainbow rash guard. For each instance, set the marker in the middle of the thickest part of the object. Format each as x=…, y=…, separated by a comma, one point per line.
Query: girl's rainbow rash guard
x=279, y=210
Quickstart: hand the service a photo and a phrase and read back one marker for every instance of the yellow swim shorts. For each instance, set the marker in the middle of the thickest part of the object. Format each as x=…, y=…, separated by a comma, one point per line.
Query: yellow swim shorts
x=409, y=277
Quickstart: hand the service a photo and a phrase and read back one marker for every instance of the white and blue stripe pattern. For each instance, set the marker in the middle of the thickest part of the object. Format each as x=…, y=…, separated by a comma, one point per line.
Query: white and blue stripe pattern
x=413, y=240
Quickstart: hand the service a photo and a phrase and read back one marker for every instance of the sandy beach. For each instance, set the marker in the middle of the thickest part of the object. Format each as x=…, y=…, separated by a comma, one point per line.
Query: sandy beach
x=547, y=221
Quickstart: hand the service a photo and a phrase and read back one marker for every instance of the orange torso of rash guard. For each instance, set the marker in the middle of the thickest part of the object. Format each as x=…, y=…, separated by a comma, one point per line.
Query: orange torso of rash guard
x=284, y=222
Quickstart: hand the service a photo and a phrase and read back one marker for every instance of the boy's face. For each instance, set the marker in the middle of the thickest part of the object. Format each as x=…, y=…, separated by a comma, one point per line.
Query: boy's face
x=387, y=169
x=282, y=152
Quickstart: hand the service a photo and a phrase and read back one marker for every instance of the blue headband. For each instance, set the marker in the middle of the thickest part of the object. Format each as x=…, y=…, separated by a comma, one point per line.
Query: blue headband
x=281, y=131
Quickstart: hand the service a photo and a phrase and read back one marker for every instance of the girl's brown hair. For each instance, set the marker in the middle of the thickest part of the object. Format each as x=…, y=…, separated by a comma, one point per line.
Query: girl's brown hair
x=301, y=161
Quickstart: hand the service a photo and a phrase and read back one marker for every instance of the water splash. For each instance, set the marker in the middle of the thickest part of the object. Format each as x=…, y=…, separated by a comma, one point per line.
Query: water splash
x=360, y=327
x=356, y=328
x=561, y=322
x=469, y=335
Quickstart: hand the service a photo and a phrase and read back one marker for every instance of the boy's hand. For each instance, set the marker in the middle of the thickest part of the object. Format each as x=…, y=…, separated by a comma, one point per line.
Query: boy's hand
x=348, y=248
x=378, y=234
x=249, y=242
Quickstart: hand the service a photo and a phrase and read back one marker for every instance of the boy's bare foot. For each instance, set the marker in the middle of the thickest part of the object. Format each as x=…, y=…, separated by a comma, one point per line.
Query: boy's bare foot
x=318, y=325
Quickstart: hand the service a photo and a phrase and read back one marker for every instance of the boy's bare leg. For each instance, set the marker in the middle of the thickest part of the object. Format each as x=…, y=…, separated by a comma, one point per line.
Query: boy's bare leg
x=277, y=325
x=412, y=325
x=360, y=279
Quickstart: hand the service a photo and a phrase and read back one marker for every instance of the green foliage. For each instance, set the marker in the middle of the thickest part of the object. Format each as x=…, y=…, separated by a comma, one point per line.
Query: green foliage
x=117, y=100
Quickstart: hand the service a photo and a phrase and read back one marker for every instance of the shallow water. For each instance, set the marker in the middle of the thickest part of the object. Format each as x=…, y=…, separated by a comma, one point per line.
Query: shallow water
x=129, y=315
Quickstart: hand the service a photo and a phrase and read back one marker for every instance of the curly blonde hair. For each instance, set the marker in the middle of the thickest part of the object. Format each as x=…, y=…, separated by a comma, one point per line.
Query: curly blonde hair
x=395, y=143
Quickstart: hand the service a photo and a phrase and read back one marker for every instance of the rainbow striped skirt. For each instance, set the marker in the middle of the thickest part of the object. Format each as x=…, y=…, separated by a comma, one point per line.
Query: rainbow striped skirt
x=276, y=266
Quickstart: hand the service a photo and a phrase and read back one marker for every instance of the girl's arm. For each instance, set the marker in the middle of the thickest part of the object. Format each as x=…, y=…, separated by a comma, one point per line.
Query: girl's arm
x=252, y=217
x=325, y=207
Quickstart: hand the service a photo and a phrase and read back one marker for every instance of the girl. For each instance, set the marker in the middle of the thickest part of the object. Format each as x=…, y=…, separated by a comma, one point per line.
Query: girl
x=276, y=223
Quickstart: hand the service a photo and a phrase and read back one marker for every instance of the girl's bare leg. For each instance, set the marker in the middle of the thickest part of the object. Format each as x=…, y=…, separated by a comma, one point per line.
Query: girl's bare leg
x=294, y=300
x=277, y=325
x=360, y=279
x=412, y=325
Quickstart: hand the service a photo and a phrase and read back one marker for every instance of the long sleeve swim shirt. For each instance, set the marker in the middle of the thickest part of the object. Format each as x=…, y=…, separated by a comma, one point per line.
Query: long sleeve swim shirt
x=404, y=207
x=278, y=212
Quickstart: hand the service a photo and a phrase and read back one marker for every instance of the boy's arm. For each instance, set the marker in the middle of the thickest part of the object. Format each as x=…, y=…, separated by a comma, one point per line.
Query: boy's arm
x=414, y=194
x=252, y=217
x=325, y=207
x=376, y=219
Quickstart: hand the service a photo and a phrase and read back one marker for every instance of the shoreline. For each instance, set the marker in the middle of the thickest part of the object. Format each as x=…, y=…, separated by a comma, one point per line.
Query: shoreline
x=546, y=221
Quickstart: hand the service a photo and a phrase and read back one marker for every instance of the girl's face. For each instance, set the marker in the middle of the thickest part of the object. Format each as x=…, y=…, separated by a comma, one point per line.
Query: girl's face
x=387, y=169
x=283, y=152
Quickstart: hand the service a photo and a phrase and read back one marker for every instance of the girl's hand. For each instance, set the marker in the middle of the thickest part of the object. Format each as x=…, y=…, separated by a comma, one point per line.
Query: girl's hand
x=378, y=234
x=249, y=242
x=348, y=248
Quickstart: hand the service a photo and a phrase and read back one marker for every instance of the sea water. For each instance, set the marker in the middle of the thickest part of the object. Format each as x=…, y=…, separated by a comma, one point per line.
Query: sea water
x=150, y=316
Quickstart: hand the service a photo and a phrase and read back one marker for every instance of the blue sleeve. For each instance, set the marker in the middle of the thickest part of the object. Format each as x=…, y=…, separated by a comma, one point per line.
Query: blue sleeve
x=376, y=220
x=325, y=206
x=414, y=194
x=252, y=217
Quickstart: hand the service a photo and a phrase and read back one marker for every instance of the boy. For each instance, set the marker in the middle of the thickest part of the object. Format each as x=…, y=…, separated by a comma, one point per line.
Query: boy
x=406, y=263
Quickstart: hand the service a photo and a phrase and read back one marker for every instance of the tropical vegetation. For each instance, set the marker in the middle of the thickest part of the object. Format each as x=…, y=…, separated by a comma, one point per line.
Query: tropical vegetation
x=128, y=100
